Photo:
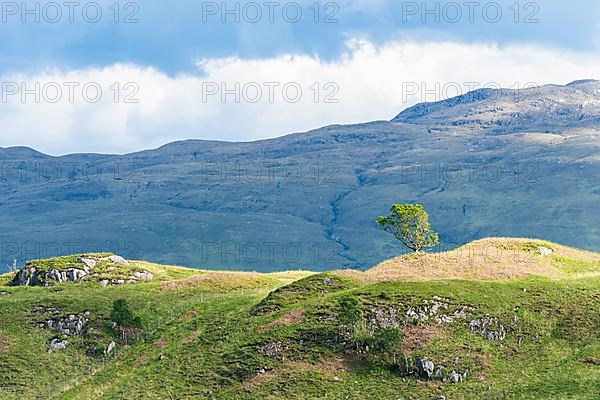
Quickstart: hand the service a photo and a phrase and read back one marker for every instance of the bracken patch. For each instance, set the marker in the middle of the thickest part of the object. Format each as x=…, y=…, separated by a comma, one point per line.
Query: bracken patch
x=161, y=343
x=188, y=315
x=294, y=317
x=191, y=338
x=4, y=342
x=219, y=281
x=141, y=361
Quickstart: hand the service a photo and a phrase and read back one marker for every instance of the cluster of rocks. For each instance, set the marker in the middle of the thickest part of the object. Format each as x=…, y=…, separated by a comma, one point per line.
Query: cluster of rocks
x=439, y=311
x=488, y=327
x=70, y=275
x=30, y=276
x=68, y=325
x=64, y=325
x=272, y=349
x=426, y=369
x=436, y=310
x=264, y=370
x=41, y=310
x=326, y=282
x=83, y=269
x=384, y=318
x=135, y=277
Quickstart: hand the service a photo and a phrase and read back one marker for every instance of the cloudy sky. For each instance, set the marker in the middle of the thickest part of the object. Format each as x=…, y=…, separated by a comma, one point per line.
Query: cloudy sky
x=119, y=77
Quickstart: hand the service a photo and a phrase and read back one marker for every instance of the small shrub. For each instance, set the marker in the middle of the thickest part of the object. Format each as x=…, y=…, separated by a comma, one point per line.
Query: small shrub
x=349, y=311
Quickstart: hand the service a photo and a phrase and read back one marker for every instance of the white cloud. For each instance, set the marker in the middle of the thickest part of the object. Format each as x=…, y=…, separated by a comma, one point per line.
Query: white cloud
x=373, y=82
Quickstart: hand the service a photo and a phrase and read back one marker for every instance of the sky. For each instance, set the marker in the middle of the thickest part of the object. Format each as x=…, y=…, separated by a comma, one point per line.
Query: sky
x=117, y=77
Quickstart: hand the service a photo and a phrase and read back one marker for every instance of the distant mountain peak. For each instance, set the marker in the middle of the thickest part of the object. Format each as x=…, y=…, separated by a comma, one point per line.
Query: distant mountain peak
x=506, y=110
x=583, y=82
x=19, y=152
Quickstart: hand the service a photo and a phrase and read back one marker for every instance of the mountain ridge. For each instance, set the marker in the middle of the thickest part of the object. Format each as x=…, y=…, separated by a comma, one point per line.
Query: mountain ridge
x=208, y=204
x=418, y=109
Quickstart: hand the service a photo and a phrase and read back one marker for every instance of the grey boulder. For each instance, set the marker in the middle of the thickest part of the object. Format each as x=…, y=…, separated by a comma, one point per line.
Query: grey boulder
x=425, y=367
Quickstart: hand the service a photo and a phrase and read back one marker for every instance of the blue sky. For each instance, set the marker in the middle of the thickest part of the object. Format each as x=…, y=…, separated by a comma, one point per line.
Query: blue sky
x=352, y=50
x=171, y=36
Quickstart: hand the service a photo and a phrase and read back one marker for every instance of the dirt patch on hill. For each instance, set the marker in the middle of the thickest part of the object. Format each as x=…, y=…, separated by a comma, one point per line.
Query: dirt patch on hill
x=161, y=343
x=141, y=361
x=191, y=338
x=4, y=342
x=188, y=315
x=415, y=338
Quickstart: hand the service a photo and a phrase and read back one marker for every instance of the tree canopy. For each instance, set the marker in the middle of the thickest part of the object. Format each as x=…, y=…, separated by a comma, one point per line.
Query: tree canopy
x=122, y=315
x=409, y=223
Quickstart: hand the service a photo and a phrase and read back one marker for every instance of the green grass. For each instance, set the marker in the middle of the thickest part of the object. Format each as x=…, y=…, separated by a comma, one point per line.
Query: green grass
x=577, y=266
x=281, y=336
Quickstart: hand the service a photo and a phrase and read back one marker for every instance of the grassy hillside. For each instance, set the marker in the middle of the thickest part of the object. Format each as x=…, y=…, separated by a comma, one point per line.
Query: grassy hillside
x=522, y=324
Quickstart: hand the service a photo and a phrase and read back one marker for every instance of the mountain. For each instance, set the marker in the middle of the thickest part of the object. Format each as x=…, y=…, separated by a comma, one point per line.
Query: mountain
x=576, y=105
x=501, y=319
x=487, y=163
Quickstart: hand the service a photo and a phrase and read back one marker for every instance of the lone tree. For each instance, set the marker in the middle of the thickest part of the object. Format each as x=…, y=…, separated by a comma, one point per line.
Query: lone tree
x=128, y=325
x=409, y=223
x=122, y=315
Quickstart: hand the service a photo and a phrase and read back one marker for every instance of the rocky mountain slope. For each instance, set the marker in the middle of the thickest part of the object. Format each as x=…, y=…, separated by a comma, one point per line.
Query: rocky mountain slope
x=377, y=334
x=576, y=105
x=488, y=163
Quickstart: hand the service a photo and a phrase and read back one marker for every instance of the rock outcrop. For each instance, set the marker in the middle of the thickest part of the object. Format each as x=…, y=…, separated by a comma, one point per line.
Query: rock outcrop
x=68, y=325
x=427, y=370
x=435, y=310
x=111, y=346
x=488, y=327
x=424, y=367
x=118, y=260
x=57, y=344
x=106, y=269
x=64, y=326
x=143, y=275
